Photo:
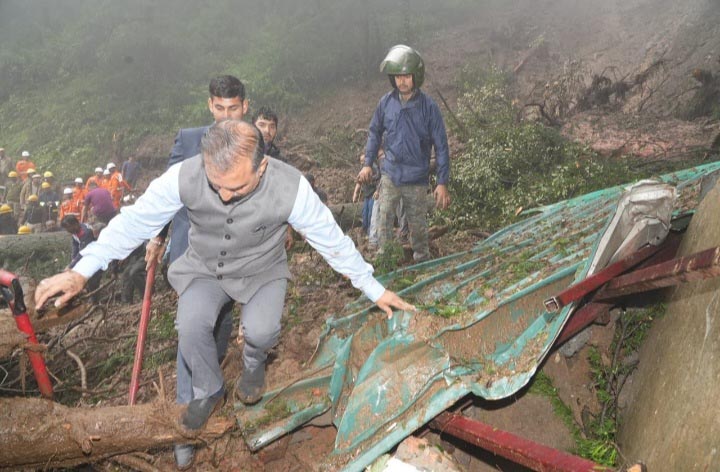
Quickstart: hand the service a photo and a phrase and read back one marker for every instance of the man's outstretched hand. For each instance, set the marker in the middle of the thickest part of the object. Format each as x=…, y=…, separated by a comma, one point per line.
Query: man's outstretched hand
x=390, y=300
x=69, y=283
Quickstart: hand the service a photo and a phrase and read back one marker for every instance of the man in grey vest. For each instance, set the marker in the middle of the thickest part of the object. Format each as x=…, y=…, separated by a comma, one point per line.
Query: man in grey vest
x=226, y=102
x=240, y=203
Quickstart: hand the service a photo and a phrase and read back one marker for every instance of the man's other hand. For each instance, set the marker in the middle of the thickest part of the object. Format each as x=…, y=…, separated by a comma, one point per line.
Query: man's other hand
x=390, y=300
x=442, y=197
x=365, y=175
x=68, y=283
x=154, y=251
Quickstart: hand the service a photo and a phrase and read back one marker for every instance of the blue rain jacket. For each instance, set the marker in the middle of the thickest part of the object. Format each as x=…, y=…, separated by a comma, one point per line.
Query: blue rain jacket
x=408, y=132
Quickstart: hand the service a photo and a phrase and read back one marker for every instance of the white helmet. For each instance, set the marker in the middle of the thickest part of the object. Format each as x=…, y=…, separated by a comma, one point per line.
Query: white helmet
x=78, y=180
x=111, y=165
x=106, y=172
x=25, y=154
x=98, y=169
x=67, y=191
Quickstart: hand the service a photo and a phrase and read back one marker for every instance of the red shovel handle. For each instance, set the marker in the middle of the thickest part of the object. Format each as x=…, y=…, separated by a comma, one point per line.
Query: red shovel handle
x=142, y=332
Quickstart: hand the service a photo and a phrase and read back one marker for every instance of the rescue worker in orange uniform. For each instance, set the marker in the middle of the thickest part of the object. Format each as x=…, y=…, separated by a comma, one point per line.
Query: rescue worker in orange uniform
x=116, y=185
x=69, y=205
x=23, y=165
x=78, y=193
x=97, y=178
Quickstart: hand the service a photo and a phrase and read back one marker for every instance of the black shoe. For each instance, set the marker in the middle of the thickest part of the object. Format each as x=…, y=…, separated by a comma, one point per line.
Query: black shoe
x=251, y=386
x=184, y=456
x=198, y=411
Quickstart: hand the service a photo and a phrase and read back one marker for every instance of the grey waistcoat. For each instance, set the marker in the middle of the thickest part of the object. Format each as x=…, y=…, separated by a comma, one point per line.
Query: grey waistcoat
x=242, y=245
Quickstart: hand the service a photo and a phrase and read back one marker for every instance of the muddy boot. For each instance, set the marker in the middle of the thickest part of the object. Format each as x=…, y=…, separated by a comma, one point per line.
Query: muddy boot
x=251, y=386
x=184, y=456
x=199, y=411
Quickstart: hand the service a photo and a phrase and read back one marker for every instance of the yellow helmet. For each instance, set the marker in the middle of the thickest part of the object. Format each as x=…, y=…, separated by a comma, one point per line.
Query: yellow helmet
x=32, y=198
x=12, y=173
x=24, y=230
x=48, y=174
x=45, y=185
x=5, y=209
x=31, y=171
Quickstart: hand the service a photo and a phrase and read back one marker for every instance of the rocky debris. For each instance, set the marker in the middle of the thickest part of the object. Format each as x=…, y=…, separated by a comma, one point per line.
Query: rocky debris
x=616, y=134
x=417, y=454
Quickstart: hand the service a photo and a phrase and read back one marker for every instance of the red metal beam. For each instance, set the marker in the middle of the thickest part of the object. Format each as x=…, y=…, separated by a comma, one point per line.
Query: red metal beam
x=582, y=318
x=584, y=287
x=596, y=308
x=510, y=446
x=641, y=258
x=699, y=266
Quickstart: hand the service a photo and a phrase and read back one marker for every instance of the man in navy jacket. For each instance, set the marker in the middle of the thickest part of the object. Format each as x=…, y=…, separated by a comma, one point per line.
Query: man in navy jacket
x=407, y=124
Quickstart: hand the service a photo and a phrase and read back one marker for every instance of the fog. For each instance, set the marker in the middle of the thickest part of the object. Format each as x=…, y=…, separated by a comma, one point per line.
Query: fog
x=140, y=67
x=141, y=48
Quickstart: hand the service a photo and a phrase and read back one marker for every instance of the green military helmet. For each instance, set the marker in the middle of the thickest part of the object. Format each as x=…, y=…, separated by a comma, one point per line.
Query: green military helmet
x=402, y=60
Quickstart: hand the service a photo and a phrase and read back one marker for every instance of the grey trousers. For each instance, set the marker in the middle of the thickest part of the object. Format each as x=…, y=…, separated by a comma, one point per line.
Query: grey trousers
x=204, y=332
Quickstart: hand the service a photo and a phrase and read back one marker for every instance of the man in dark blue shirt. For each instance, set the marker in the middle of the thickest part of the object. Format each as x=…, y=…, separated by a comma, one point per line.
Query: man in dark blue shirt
x=130, y=171
x=407, y=123
x=82, y=235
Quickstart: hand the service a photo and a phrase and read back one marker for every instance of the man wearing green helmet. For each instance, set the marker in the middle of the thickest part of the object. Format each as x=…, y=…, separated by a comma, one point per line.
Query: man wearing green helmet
x=407, y=124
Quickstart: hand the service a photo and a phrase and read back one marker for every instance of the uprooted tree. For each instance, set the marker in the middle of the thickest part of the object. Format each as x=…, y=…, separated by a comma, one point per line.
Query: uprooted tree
x=577, y=90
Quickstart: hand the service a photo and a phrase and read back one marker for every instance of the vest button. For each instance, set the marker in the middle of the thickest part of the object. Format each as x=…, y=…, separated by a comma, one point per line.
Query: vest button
x=229, y=221
x=220, y=264
x=219, y=277
x=227, y=236
x=223, y=253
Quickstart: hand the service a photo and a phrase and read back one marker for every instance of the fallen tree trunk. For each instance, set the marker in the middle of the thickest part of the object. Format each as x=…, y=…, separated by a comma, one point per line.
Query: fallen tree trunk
x=41, y=433
x=35, y=255
x=10, y=337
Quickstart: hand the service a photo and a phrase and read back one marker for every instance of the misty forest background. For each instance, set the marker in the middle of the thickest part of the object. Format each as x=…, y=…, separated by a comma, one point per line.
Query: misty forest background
x=76, y=78
x=99, y=80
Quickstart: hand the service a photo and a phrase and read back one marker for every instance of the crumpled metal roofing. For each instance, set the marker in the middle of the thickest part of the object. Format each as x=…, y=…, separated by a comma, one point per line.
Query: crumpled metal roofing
x=482, y=329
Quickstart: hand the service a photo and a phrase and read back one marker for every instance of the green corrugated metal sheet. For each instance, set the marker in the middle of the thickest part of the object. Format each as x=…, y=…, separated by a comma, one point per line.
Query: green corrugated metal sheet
x=482, y=329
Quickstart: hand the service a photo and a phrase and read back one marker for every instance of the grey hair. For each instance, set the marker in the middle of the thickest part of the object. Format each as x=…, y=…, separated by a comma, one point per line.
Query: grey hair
x=228, y=141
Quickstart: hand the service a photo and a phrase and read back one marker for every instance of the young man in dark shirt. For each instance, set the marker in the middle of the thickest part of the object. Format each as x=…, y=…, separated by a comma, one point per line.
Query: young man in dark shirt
x=266, y=121
x=82, y=235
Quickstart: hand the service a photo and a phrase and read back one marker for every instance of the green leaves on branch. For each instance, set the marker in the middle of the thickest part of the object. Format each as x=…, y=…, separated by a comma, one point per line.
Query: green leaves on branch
x=508, y=165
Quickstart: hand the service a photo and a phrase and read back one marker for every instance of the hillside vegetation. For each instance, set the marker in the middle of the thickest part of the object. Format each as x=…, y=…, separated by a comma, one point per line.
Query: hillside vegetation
x=87, y=82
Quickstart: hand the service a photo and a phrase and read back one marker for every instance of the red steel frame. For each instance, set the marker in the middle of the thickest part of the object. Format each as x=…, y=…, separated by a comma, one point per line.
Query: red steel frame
x=519, y=450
